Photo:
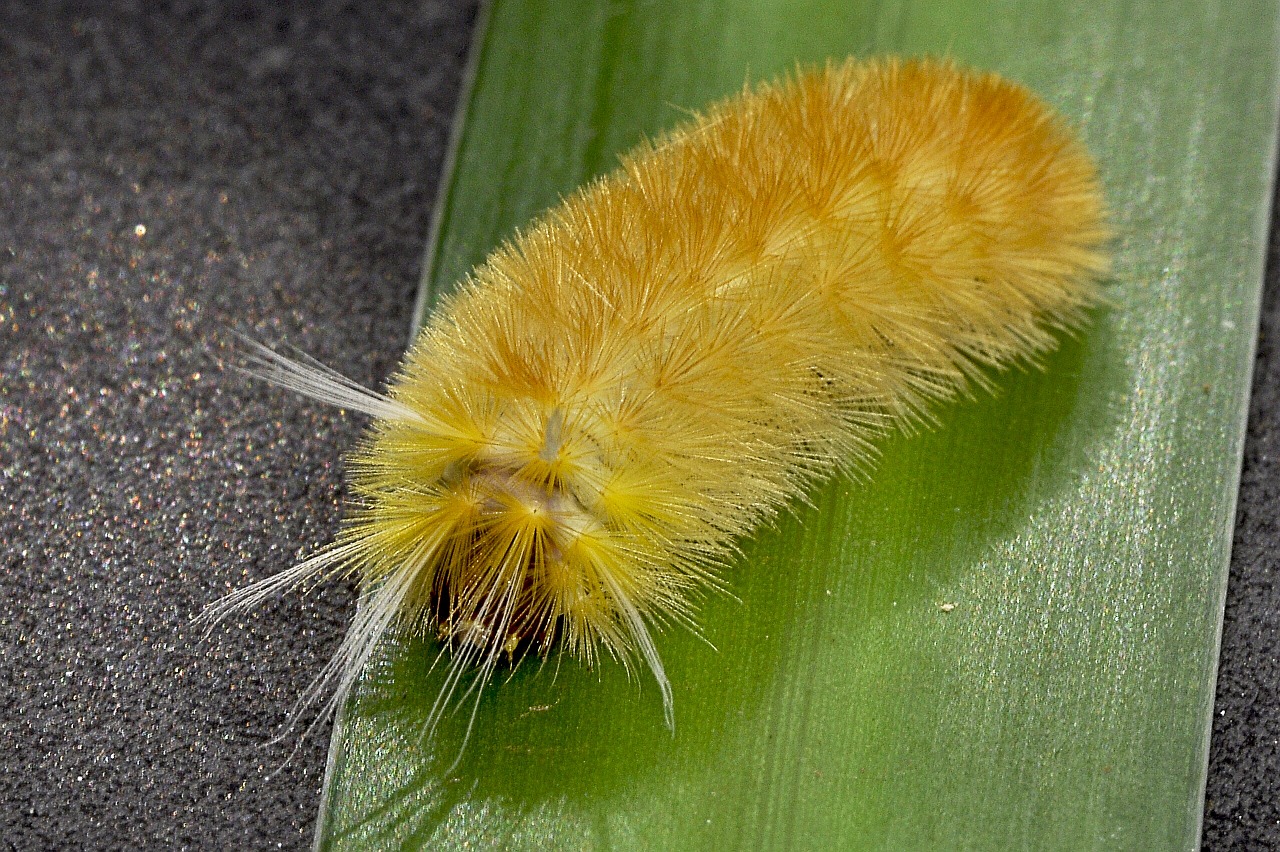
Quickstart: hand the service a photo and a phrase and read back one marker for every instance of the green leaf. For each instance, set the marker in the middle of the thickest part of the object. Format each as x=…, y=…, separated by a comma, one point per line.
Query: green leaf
x=1007, y=638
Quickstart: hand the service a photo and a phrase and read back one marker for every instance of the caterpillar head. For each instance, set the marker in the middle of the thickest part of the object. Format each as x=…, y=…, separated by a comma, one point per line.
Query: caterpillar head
x=518, y=533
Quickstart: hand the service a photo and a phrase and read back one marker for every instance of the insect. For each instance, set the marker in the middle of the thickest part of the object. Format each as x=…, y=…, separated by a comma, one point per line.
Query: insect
x=654, y=368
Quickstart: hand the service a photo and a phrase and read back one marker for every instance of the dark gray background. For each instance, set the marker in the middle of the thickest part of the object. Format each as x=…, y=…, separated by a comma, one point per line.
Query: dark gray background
x=282, y=159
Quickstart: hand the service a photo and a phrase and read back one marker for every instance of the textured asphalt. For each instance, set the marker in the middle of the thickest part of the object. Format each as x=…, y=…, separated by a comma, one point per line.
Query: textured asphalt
x=169, y=170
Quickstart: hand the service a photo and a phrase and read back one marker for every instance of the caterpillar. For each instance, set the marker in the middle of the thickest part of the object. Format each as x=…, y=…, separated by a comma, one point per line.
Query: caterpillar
x=583, y=432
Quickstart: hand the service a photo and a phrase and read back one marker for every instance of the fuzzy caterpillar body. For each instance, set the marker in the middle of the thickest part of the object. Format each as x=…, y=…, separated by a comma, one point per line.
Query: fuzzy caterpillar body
x=655, y=367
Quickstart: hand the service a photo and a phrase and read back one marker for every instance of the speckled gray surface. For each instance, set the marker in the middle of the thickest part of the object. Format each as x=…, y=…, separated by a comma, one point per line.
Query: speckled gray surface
x=1242, y=798
x=169, y=169
x=282, y=160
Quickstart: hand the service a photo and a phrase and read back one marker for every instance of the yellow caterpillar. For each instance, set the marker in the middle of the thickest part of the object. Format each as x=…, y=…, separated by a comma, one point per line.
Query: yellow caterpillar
x=655, y=367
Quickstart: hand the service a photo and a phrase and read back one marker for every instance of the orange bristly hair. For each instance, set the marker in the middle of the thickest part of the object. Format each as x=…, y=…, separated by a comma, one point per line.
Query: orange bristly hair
x=658, y=365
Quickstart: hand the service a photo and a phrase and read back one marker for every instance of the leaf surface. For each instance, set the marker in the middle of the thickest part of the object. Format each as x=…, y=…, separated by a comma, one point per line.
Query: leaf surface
x=1007, y=637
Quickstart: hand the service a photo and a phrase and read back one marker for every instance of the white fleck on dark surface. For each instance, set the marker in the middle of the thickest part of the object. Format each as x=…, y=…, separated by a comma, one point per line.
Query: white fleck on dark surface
x=170, y=170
